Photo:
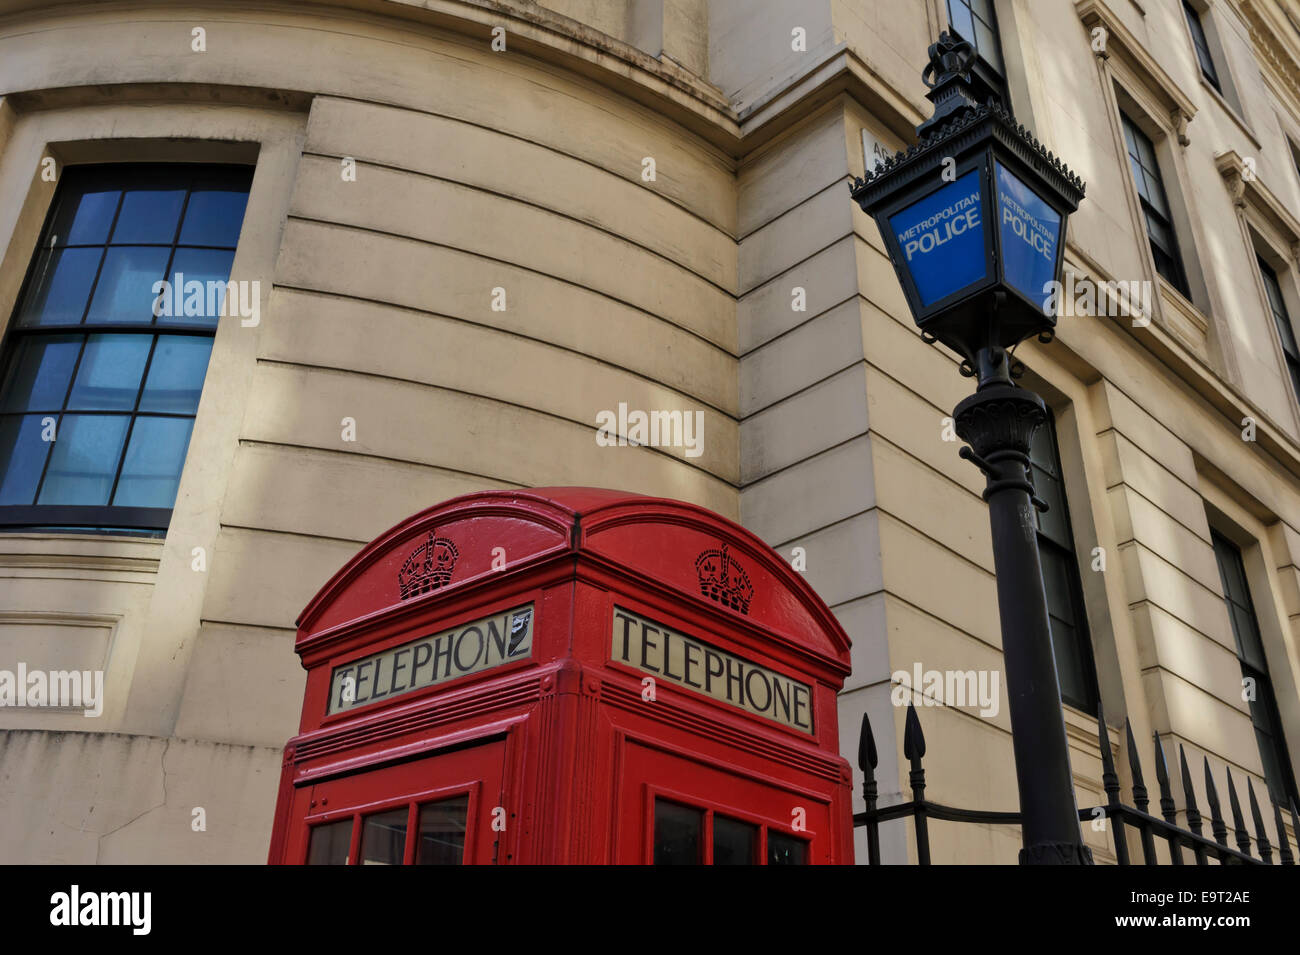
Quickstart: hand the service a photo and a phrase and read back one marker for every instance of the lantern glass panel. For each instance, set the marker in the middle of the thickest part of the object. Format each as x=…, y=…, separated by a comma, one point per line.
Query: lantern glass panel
x=941, y=237
x=1029, y=233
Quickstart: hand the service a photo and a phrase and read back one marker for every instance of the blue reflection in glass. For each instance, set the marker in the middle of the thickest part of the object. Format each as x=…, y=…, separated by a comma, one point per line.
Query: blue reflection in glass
x=38, y=376
x=213, y=217
x=148, y=216
x=108, y=378
x=125, y=290
x=61, y=286
x=194, y=271
x=151, y=471
x=84, y=459
x=176, y=374
x=84, y=219
x=22, y=456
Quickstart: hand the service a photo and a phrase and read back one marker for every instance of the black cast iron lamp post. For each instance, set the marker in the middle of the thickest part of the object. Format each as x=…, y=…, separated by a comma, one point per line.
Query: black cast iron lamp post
x=973, y=217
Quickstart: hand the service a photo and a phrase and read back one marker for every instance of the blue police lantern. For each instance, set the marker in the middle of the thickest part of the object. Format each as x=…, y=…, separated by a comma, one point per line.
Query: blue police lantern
x=973, y=216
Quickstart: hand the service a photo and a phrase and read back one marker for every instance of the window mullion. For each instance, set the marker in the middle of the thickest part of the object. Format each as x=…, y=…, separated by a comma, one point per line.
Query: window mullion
x=153, y=347
x=103, y=257
x=135, y=413
x=63, y=408
x=49, y=454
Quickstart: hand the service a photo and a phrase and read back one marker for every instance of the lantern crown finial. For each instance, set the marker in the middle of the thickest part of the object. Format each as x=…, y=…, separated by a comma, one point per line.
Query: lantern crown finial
x=955, y=81
x=949, y=56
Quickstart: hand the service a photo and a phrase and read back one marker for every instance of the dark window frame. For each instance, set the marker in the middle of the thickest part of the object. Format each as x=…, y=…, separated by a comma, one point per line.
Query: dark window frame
x=354, y=847
x=988, y=48
x=1295, y=154
x=1281, y=780
x=1153, y=198
x=1053, y=544
x=1201, y=44
x=123, y=177
x=1281, y=322
x=764, y=831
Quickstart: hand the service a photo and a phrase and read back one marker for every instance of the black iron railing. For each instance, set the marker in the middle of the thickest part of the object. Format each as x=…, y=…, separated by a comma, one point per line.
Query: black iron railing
x=1119, y=815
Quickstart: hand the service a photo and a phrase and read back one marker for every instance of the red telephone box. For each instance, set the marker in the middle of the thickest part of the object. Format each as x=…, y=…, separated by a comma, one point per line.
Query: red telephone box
x=567, y=675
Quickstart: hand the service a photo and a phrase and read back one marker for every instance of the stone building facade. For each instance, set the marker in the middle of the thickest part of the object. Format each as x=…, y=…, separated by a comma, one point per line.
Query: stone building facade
x=475, y=226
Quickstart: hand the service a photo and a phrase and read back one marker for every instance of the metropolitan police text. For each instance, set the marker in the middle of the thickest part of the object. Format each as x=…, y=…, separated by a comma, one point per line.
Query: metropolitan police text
x=943, y=225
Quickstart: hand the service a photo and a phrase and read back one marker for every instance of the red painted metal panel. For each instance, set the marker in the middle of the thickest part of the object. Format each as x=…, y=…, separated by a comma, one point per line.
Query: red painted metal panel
x=729, y=702
x=473, y=774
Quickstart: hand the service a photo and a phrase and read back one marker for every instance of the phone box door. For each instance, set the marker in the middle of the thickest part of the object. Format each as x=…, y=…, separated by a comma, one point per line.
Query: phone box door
x=434, y=810
x=682, y=811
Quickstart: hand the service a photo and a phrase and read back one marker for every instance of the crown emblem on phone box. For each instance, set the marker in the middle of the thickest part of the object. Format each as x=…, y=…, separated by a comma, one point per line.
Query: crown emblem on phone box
x=428, y=568
x=723, y=579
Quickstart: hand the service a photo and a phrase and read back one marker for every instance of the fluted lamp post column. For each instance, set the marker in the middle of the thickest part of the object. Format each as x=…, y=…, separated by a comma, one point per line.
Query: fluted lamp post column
x=973, y=217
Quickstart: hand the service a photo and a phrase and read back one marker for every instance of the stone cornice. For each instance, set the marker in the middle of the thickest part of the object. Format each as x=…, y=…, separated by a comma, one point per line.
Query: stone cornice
x=841, y=72
x=1248, y=192
x=1279, y=56
x=1129, y=50
x=658, y=84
